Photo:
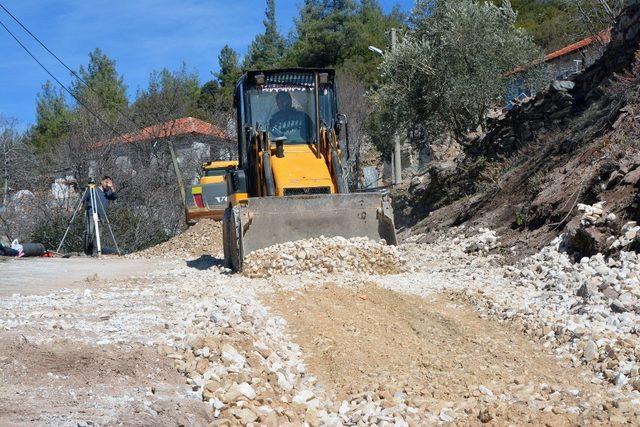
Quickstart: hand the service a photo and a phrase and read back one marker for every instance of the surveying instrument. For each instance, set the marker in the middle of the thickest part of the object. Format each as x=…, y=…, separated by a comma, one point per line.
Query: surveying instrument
x=93, y=222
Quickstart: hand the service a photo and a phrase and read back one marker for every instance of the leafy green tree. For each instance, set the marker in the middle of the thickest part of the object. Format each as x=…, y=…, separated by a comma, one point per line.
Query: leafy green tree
x=104, y=87
x=267, y=49
x=554, y=24
x=53, y=118
x=453, y=64
x=551, y=23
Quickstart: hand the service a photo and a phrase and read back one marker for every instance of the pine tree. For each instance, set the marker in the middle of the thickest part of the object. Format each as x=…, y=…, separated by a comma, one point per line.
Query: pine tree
x=53, y=118
x=217, y=95
x=230, y=71
x=266, y=50
x=322, y=33
x=369, y=27
x=105, y=88
x=338, y=33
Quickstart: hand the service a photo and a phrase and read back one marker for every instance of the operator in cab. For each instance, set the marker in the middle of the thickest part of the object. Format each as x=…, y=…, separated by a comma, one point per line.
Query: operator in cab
x=293, y=124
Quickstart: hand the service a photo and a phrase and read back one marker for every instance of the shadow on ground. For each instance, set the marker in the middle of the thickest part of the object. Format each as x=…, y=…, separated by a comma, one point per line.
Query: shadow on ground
x=205, y=262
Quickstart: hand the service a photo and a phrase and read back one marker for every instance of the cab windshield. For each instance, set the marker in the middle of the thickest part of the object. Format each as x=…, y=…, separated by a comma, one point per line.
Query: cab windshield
x=285, y=106
x=285, y=112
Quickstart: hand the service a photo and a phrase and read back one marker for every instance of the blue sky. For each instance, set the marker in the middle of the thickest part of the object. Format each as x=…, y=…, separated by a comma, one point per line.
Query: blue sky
x=141, y=35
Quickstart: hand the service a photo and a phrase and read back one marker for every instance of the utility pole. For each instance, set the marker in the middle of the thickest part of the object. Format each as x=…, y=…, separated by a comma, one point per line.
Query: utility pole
x=397, y=155
x=176, y=168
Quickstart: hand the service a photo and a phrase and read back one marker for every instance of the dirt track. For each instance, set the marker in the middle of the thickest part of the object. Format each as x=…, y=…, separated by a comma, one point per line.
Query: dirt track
x=388, y=349
x=51, y=384
x=435, y=353
x=29, y=276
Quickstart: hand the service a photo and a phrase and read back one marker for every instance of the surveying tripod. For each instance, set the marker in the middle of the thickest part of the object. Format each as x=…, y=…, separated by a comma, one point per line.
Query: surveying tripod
x=93, y=221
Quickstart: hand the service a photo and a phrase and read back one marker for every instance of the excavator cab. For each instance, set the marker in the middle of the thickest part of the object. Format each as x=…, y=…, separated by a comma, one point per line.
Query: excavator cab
x=290, y=182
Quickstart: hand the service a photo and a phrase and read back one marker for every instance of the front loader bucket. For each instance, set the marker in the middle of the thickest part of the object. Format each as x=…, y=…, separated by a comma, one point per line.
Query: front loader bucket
x=266, y=221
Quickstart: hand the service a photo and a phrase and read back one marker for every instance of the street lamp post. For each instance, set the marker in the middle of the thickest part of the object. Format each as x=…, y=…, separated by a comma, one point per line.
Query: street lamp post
x=396, y=160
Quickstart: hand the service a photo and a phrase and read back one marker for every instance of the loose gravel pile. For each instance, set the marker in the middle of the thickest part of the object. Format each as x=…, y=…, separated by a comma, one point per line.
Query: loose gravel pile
x=325, y=255
x=238, y=358
x=204, y=238
x=587, y=311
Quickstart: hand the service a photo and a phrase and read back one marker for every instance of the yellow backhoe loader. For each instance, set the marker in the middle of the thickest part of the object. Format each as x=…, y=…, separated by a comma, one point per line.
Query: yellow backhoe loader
x=208, y=198
x=290, y=182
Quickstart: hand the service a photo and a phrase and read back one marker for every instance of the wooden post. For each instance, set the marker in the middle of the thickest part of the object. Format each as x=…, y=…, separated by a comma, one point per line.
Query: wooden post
x=176, y=167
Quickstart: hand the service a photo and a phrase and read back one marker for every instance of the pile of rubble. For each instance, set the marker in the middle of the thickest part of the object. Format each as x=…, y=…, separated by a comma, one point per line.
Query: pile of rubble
x=593, y=214
x=238, y=359
x=204, y=238
x=629, y=235
x=325, y=255
x=588, y=311
x=482, y=242
x=600, y=232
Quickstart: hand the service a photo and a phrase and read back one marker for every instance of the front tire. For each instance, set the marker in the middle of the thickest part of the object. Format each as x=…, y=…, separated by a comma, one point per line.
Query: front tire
x=226, y=219
x=232, y=239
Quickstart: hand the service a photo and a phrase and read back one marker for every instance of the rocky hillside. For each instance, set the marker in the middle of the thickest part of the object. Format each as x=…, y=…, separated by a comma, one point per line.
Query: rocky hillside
x=544, y=166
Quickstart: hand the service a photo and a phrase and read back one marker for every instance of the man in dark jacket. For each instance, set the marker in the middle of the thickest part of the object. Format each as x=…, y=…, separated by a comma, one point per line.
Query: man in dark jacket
x=105, y=192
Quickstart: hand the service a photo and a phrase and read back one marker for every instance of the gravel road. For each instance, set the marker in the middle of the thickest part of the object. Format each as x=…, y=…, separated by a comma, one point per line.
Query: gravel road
x=454, y=335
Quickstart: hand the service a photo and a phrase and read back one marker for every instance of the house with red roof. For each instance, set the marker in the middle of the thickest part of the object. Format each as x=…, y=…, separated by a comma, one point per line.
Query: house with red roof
x=576, y=57
x=195, y=141
x=563, y=63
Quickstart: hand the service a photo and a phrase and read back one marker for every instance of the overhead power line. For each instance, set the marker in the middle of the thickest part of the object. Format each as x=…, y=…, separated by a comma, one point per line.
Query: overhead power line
x=94, y=114
x=76, y=75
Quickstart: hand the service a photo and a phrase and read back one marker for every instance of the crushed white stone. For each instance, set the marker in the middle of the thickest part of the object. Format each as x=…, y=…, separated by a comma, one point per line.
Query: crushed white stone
x=587, y=311
x=591, y=214
x=220, y=336
x=325, y=255
x=202, y=239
